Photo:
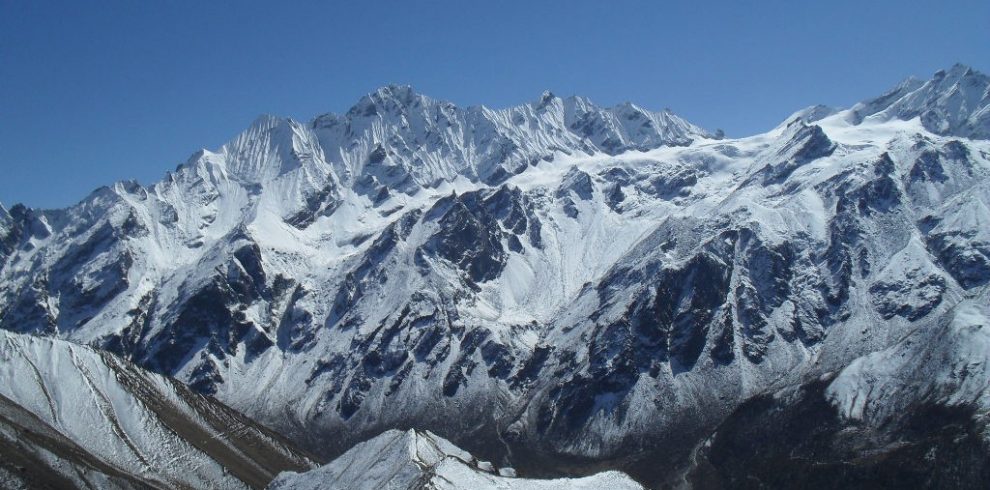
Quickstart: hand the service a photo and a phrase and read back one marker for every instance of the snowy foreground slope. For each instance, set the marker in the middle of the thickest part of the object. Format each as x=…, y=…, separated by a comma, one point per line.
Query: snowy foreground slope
x=557, y=287
x=413, y=460
x=74, y=417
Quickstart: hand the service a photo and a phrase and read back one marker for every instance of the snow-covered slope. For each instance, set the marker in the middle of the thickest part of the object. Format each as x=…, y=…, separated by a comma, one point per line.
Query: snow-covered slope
x=74, y=417
x=423, y=460
x=546, y=285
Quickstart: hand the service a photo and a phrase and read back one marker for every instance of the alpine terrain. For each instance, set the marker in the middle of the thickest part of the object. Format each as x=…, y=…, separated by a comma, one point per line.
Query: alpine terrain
x=557, y=287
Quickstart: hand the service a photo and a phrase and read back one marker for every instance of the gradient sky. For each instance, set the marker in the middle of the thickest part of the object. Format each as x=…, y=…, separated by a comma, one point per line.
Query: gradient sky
x=95, y=92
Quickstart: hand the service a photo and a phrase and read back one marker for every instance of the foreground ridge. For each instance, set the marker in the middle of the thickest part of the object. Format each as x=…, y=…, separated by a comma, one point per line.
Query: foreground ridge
x=74, y=417
x=421, y=459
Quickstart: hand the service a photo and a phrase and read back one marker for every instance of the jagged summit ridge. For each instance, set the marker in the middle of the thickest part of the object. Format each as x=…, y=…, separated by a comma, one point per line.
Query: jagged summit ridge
x=395, y=138
x=487, y=144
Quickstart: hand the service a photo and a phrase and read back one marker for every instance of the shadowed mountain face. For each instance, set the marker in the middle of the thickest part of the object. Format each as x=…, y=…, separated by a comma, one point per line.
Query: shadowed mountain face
x=556, y=286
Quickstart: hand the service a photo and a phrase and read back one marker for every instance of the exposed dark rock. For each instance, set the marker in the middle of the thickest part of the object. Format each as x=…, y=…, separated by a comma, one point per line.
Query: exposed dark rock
x=800, y=441
x=464, y=365
x=808, y=143
x=578, y=183
x=614, y=197
x=912, y=298
x=468, y=237
x=968, y=260
x=498, y=358
x=928, y=167
x=321, y=203
x=676, y=182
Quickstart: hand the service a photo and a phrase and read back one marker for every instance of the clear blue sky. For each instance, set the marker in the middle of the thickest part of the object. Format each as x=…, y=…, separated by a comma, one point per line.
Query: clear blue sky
x=94, y=92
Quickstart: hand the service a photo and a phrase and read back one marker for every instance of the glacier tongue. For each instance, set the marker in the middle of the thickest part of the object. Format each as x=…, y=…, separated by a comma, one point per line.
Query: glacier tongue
x=420, y=459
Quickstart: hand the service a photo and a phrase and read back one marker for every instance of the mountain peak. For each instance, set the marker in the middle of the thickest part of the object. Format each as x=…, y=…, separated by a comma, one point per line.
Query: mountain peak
x=953, y=102
x=810, y=114
x=546, y=97
x=957, y=70
x=395, y=91
x=266, y=122
x=390, y=98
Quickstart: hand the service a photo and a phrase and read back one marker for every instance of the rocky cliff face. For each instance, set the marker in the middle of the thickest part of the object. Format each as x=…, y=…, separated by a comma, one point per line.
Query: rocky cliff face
x=556, y=284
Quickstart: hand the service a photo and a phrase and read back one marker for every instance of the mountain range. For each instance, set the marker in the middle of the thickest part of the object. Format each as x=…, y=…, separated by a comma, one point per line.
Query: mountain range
x=557, y=287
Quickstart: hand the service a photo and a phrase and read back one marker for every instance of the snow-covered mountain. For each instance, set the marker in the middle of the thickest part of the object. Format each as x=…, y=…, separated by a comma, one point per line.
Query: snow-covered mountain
x=954, y=102
x=555, y=286
x=74, y=417
x=414, y=459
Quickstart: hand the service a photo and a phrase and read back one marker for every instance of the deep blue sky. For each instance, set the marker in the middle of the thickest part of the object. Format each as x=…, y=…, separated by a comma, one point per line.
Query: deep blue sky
x=94, y=92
